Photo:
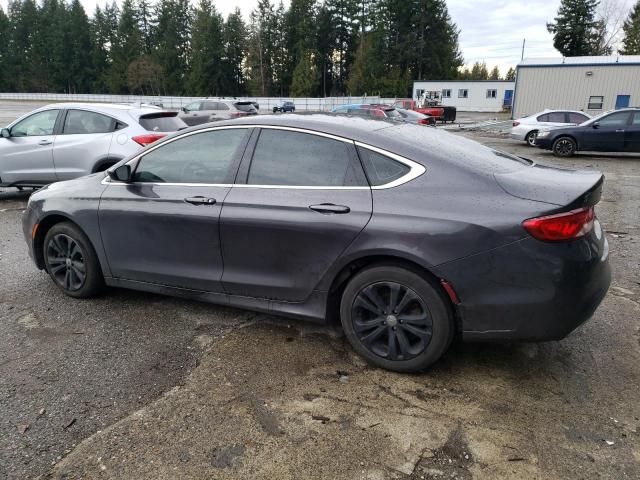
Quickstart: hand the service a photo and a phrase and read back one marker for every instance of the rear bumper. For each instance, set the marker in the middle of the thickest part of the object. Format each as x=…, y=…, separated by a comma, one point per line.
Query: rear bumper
x=530, y=290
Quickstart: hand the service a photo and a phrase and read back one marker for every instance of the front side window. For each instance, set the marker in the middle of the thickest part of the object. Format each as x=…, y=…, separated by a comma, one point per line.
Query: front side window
x=193, y=107
x=41, y=123
x=81, y=121
x=463, y=93
x=636, y=119
x=595, y=103
x=615, y=119
x=300, y=159
x=381, y=169
x=209, y=106
x=200, y=158
x=492, y=93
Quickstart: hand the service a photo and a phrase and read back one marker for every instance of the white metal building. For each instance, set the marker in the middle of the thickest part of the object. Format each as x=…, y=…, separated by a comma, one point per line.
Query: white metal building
x=591, y=84
x=470, y=95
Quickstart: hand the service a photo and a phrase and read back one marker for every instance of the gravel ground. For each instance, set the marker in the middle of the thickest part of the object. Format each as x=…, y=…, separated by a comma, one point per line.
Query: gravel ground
x=134, y=385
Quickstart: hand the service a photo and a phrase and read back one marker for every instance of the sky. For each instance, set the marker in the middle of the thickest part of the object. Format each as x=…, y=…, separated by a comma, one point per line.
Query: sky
x=490, y=30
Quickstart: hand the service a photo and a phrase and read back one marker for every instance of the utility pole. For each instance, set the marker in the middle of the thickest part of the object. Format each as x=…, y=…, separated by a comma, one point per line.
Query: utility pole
x=524, y=40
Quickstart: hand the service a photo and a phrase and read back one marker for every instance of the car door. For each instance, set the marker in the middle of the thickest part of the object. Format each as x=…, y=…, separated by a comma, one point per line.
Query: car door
x=163, y=226
x=191, y=114
x=632, y=134
x=84, y=140
x=300, y=200
x=27, y=155
x=607, y=134
x=552, y=119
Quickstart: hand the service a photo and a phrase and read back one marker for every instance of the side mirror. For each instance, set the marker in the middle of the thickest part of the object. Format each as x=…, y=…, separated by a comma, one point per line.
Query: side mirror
x=5, y=133
x=596, y=125
x=185, y=109
x=121, y=174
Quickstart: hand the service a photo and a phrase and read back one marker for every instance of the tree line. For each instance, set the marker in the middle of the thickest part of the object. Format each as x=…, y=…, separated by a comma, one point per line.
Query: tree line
x=579, y=29
x=311, y=48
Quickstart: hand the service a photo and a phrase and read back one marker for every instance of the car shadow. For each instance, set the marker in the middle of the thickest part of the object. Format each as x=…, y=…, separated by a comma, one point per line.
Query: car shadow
x=15, y=194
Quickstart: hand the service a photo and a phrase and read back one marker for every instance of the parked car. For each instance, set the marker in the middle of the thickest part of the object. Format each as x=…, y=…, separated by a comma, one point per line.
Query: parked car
x=617, y=131
x=409, y=236
x=68, y=140
x=373, y=110
x=437, y=111
x=411, y=116
x=209, y=110
x=526, y=129
x=285, y=107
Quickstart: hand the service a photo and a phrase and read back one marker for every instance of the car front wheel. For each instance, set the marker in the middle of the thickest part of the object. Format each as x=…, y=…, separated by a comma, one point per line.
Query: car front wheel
x=71, y=261
x=396, y=319
x=564, y=147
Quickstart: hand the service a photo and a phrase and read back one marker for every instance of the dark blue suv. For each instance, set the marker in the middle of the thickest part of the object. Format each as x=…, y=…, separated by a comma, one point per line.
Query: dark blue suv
x=285, y=107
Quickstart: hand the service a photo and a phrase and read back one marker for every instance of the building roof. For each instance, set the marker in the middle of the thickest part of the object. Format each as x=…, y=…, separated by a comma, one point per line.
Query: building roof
x=580, y=61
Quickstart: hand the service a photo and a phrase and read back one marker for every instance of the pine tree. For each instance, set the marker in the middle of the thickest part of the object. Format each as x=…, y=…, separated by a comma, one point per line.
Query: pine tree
x=206, y=76
x=300, y=34
x=280, y=54
x=145, y=21
x=127, y=48
x=325, y=38
x=631, y=28
x=365, y=73
x=79, y=71
x=345, y=26
x=576, y=31
x=495, y=74
x=22, y=51
x=235, y=48
x=5, y=35
x=261, y=49
x=305, y=76
x=511, y=74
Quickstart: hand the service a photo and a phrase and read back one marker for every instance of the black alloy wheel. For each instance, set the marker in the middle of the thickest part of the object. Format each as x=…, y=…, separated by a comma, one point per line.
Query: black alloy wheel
x=396, y=318
x=564, y=147
x=71, y=261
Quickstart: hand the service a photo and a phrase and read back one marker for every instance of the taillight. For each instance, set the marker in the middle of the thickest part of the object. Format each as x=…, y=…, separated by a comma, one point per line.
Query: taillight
x=515, y=124
x=145, y=140
x=423, y=121
x=561, y=227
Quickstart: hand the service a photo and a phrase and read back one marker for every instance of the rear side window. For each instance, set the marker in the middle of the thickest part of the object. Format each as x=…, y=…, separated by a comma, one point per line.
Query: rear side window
x=381, y=169
x=210, y=106
x=205, y=157
x=162, y=122
x=80, y=121
x=222, y=106
x=301, y=159
x=577, y=118
x=556, y=117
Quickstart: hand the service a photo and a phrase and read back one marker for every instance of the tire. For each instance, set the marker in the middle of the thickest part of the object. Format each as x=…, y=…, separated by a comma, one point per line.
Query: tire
x=67, y=252
x=410, y=340
x=564, y=147
x=531, y=138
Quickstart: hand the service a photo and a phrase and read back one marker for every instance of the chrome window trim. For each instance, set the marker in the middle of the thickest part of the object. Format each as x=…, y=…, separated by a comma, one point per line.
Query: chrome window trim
x=415, y=169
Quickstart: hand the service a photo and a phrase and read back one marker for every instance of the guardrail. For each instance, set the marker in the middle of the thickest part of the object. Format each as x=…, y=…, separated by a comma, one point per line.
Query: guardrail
x=324, y=104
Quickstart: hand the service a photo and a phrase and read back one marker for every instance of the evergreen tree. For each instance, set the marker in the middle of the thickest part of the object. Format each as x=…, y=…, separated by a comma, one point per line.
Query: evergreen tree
x=576, y=31
x=365, y=74
x=511, y=74
x=300, y=34
x=22, y=52
x=5, y=35
x=235, y=48
x=305, y=77
x=344, y=20
x=279, y=57
x=631, y=28
x=495, y=74
x=80, y=72
x=170, y=37
x=145, y=21
x=324, y=47
x=261, y=49
x=127, y=47
x=206, y=77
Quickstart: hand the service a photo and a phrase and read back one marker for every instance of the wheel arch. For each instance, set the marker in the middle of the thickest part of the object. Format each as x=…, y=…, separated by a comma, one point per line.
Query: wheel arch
x=44, y=225
x=340, y=280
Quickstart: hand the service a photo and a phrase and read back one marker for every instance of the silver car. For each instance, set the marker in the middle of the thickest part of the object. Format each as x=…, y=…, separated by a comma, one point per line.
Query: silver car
x=68, y=140
x=209, y=110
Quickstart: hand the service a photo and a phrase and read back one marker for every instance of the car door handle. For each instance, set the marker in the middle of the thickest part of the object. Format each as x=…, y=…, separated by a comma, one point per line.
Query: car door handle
x=200, y=200
x=327, y=208
x=619, y=131
x=45, y=142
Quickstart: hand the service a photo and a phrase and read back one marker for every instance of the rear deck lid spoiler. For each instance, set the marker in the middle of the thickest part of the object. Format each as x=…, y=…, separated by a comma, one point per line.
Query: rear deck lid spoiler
x=555, y=186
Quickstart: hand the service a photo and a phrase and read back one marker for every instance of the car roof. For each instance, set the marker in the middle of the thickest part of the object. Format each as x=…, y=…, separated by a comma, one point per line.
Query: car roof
x=134, y=109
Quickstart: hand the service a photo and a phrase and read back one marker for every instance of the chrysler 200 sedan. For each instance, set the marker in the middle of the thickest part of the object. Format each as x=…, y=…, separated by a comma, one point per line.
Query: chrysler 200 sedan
x=407, y=236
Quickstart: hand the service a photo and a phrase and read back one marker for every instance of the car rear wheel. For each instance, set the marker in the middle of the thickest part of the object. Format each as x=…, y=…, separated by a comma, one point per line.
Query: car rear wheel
x=396, y=319
x=71, y=261
x=531, y=138
x=564, y=147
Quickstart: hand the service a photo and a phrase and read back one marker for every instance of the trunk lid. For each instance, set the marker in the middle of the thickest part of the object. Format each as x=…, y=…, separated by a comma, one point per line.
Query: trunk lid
x=552, y=185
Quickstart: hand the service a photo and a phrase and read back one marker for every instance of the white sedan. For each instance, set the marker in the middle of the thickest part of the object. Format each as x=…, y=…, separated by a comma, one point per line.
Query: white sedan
x=526, y=129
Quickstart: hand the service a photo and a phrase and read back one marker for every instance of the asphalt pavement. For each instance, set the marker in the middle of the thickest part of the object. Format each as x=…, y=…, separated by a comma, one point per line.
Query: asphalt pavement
x=135, y=385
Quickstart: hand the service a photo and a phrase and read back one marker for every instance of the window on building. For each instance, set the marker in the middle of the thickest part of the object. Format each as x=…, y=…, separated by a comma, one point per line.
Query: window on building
x=492, y=93
x=446, y=93
x=595, y=103
x=463, y=93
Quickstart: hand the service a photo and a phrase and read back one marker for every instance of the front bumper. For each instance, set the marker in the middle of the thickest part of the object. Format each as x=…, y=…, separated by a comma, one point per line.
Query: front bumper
x=29, y=220
x=544, y=142
x=530, y=290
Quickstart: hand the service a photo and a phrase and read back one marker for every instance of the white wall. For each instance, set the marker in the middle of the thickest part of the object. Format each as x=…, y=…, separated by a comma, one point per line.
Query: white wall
x=476, y=101
x=569, y=87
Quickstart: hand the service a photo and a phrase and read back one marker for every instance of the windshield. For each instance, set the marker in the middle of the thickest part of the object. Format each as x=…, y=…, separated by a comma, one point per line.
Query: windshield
x=392, y=113
x=245, y=106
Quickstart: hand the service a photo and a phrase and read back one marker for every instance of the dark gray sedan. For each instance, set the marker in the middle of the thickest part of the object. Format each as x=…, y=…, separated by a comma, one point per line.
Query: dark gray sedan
x=407, y=236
